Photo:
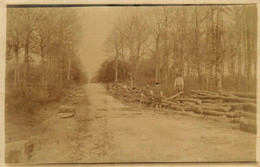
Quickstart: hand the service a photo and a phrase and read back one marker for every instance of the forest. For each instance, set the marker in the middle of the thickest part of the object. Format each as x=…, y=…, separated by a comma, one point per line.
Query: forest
x=41, y=56
x=212, y=47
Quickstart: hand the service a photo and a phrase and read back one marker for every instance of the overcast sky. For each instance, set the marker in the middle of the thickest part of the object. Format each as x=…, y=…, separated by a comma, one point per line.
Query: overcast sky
x=96, y=25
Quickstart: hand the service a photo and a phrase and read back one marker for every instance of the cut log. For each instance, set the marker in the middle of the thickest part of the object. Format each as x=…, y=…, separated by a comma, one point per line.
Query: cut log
x=208, y=101
x=204, y=93
x=235, y=120
x=240, y=113
x=212, y=113
x=227, y=99
x=188, y=103
x=245, y=95
x=212, y=96
x=169, y=102
x=200, y=97
x=216, y=107
x=233, y=114
x=199, y=93
x=166, y=105
x=174, y=96
x=194, y=108
x=212, y=104
x=247, y=125
x=226, y=94
x=239, y=99
x=66, y=109
x=248, y=115
x=251, y=107
x=209, y=97
x=177, y=108
x=197, y=101
x=65, y=115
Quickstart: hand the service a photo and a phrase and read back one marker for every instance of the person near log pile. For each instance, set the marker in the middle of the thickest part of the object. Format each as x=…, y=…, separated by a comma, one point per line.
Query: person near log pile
x=147, y=96
x=157, y=94
x=178, y=84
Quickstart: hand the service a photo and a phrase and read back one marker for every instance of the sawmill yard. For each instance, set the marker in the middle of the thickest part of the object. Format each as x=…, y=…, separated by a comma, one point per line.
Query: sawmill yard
x=108, y=129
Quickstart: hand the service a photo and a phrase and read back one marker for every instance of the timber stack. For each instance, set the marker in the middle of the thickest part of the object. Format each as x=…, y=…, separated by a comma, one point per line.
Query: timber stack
x=68, y=109
x=239, y=107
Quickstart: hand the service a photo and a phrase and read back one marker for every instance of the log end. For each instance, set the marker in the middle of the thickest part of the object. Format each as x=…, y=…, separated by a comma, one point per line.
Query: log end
x=247, y=125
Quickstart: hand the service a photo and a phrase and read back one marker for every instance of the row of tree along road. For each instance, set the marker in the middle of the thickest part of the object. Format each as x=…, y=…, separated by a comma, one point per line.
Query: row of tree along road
x=41, y=55
x=212, y=47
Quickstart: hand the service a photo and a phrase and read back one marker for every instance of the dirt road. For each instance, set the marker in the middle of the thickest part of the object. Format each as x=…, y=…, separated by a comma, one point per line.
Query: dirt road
x=105, y=130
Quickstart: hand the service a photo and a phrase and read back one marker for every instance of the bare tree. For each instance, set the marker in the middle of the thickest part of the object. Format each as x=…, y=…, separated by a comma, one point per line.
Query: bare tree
x=14, y=42
x=207, y=44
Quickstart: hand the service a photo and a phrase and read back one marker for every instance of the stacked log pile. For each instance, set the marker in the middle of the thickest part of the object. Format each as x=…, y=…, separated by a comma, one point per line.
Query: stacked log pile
x=232, y=105
x=70, y=101
x=72, y=98
x=239, y=107
x=127, y=93
x=66, y=111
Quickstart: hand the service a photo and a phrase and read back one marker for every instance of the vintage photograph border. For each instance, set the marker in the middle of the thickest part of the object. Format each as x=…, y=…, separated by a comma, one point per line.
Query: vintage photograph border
x=4, y=4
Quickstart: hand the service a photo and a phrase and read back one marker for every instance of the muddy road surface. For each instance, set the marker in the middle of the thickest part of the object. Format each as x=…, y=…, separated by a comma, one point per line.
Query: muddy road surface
x=106, y=130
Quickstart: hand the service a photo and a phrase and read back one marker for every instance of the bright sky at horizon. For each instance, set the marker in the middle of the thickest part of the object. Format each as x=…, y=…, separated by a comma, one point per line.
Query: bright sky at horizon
x=96, y=24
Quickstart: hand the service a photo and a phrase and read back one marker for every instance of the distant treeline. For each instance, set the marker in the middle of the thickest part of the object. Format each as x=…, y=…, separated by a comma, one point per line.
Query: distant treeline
x=41, y=57
x=212, y=47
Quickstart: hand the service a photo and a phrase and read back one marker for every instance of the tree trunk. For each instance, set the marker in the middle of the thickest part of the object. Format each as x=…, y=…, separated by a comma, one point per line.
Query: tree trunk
x=123, y=62
x=166, y=78
x=46, y=75
x=69, y=69
x=207, y=78
x=131, y=81
x=47, y=69
x=70, y=60
x=197, y=52
x=218, y=54
x=43, y=76
x=156, y=74
x=116, y=70
x=18, y=75
x=61, y=66
x=166, y=57
x=16, y=72
x=219, y=77
x=248, y=51
x=26, y=60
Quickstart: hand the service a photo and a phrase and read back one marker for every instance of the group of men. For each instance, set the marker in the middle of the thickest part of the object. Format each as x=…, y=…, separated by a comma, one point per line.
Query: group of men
x=156, y=94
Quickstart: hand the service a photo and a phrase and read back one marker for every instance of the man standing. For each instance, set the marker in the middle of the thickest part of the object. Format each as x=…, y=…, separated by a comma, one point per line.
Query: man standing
x=146, y=96
x=178, y=84
x=157, y=95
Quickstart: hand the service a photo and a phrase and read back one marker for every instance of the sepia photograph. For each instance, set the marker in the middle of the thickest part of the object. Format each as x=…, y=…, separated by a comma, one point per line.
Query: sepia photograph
x=126, y=83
